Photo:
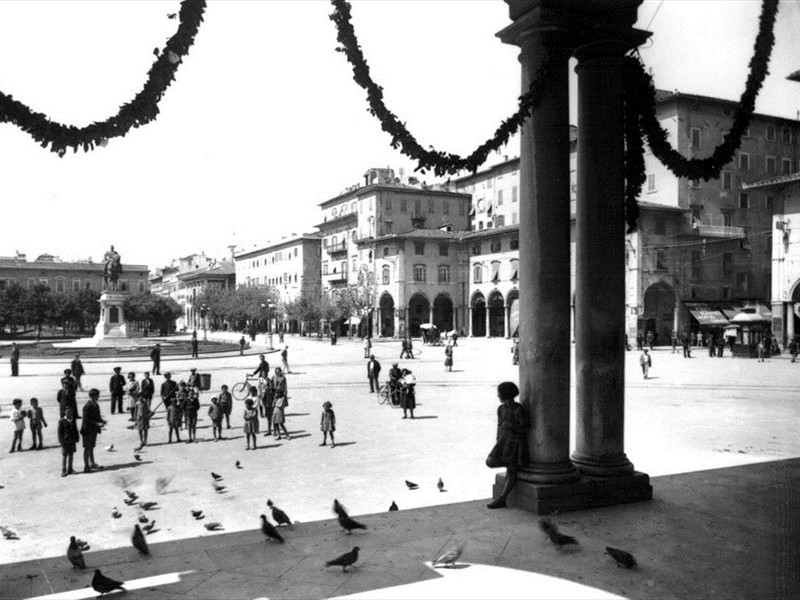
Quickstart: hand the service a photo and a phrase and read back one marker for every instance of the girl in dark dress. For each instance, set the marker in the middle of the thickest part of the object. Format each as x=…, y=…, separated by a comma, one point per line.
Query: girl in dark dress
x=511, y=449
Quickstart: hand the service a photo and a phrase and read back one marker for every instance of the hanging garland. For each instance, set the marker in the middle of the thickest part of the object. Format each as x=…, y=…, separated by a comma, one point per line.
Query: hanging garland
x=442, y=163
x=142, y=109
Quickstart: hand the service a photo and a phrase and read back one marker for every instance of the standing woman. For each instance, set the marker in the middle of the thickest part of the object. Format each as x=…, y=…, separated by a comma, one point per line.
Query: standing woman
x=448, y=356
x=409, y=398
x=132, y=392
x=250, y=423
x=279, y=402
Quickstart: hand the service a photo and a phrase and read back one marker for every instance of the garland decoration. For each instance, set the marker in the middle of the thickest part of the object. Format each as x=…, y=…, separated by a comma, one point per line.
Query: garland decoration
x=141, y=110
x=441, y=163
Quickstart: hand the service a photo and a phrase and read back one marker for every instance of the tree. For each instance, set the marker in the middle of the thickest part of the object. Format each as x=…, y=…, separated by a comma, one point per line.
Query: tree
x=158, y=312
x=12, y=305
x=87, y=302
x=63, y=311
x=39, y=307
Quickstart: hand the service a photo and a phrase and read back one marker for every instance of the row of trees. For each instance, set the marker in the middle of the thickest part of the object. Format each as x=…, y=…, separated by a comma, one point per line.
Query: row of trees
x=39, y=306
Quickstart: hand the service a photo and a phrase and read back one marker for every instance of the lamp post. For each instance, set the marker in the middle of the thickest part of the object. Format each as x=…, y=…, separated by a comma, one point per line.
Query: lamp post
x=203, y=311
x=270, y=305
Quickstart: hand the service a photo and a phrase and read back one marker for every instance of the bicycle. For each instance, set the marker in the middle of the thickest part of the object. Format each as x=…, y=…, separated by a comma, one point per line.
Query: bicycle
x=386, y=396
x=242, y=390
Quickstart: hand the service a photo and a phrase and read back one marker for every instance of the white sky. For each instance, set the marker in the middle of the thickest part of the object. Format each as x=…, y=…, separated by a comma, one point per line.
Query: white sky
x=264, y=121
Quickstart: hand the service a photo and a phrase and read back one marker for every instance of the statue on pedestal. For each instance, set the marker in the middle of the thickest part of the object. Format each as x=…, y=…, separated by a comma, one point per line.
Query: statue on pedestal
x=112, y=269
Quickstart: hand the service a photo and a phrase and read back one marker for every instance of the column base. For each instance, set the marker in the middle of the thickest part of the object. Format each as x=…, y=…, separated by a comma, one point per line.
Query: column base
x=617, y=466
x=587, y=492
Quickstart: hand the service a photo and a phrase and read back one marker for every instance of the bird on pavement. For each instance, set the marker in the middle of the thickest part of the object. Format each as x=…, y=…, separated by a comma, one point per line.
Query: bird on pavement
x=104, y=585
x=440, y=485
x=393, y=506
x=349, y=524
x=547, y=526
x=172, y=15
x=220, y=489
x=345, y=560
x=132, y=495
x=8, y=534
x=148, y=505
x=622, y=558
x=215, y=476
x=149, y=527
x=129, y=502
x=197, y=514
x=411, y=485
x=238, y=465
x=137, y=457
x=75, y=555
x=143, y=519
x=281, y=518
x=213, y=526
x=449, y=558
x=339, y=509
x=139, y=542
x=115, y=513
x=269, y=530
x=110, y=448
x=84, y=546
x=558, y=538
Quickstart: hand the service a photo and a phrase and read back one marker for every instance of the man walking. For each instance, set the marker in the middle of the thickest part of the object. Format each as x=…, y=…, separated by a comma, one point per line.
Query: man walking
x=194, y=344
x=116, y=385
x=793, y=349
x=242, y=344
x=761, y=349
x=285, y=359
x=77, y=371
x=645, y=361
x=262, y=370
x=404, y=348
x=367, y=347
x=686, y=342
x=14, y=359
x=373, y=374
x=155, y=356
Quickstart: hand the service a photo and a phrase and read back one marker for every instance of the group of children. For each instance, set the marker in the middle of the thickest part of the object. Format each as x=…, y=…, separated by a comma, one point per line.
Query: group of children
x=36, y=421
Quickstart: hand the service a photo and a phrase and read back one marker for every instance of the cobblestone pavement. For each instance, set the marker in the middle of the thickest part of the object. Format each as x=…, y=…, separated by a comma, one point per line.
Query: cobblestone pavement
x=691, y=416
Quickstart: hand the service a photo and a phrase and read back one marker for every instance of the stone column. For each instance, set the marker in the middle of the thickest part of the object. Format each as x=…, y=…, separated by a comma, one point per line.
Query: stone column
x=506, y=317
x=600, y=265
x=789, y=322
x=544, y=248
x=487, y=318
x=469, y=321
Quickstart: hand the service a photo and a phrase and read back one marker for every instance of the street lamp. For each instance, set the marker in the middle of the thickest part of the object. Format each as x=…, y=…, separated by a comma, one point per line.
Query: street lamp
x=269, y=324
x=203, y=311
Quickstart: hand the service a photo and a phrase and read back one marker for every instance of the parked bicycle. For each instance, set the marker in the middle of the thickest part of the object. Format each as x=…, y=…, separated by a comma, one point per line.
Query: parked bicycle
x=388, y=396
x=243, y=389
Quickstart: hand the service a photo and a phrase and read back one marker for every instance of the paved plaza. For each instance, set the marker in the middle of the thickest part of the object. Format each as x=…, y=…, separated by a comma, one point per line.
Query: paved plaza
x=691, y=416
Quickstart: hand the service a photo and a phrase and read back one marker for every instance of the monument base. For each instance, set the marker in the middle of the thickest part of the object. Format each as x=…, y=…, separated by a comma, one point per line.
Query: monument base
x=587, y=492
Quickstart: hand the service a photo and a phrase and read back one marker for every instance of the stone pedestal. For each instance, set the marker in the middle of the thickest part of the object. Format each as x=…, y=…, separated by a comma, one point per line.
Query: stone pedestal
x=112, y=324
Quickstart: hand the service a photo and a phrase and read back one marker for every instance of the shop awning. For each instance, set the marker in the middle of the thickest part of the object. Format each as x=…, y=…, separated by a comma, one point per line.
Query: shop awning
x=709, y=316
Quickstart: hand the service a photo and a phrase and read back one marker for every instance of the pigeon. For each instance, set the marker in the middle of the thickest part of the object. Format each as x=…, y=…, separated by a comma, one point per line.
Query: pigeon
x=148, y=505
x=393, y=506
x=143, y=519
x=148, y=529
x=269, y=530
x=162, y=483
x=131, y=495
x=129, y=502
x=139, y=542
x=110, y=448
x=345, y=560
x=8, y=534
x=197, y=514
x=281, y=518
x=449, y=558
x=216, y=477
x=213, y=526
x=547, y=526
x=115, y=513
x=137, y=457
x=558, y=538
x=411, y=485
x=339, y=509
x=104, y=585
x=84, y=546
x=622, y=558
x=440, y=485
x=75, y=555
x=238, y=465
x=220, y=489
x=349, y=524
x=172, y=15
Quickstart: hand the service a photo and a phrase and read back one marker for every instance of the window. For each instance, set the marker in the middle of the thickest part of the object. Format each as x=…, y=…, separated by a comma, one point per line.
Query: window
x=76, y=285
x=661, y=259
x=403, y=205
x=697, y=267
x=514, y=218
x=418, y=206
x=388, y=227
x=477, y=273
x=324, y=267
x=727, y=266
x=696, y=212
x=343, y=271
x=515, y=243
x=743, y=281
x=3, y=284
x=786, y=166
x=430, y=205
x=123, y=285
x=32, y=284
x=746, y=132
x=727, y=219
x=495, y=271
x=444, y=249
x=386, y=250
x=727, y=180
x=476, y=249
x=500, y=220
x=385, y=274
x=771, y=169
x=726, y=292
x=295, y=251
x=324, y=242
x=499, y=197
x=660, y=226
x=480, y=225
x=445, y=207
x=495, y=246
x=513, y=193
x=514, y=269
x=87, y=285
x=419, y=248
x=139, y=287
x=744, y=200
x=61, y=285
x=353, y=235
x=651, y=182
x=443, y=274
x=771, y=133
x=695, y=137
x=744, y=161
x=355, y=268
x=786, y=136
x=419, y=274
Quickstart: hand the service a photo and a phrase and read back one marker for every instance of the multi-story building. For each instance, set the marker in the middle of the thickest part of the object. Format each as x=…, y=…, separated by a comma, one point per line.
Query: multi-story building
x=291, y=266
x=64, y=277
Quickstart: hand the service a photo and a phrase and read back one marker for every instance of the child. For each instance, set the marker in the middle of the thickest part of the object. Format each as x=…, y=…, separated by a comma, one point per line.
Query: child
x=215, y=413
x=68, y=438
x=263, y=385
x=174, y=420
x=132, y=392
x=226, y=404
x=190, y=407
x=327, y=423
x=142, y=415
x=18, y=419
x=36, y=417
x=279, y=402
x=250, y=423
x=511, y=449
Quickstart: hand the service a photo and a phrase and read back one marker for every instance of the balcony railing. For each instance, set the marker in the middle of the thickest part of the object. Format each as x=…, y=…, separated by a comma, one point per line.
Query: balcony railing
x=337, y=248
x=719, y=231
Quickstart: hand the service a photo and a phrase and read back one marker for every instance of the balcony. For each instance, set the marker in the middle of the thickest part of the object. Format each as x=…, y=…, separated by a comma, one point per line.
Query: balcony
x=337, y=248
x=719, y=231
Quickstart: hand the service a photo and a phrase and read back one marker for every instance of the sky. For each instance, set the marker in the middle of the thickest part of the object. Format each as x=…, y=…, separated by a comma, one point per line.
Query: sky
x=264, y=121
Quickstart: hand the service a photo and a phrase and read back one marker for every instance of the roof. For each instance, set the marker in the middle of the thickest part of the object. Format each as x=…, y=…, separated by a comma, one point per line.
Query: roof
x=219, y=270
x=272, y=246
x=664, y=96
x=778, y=181
x=656, y=206
x=400, y=188
x=12, y=263
x=471, y=235
x=430, y=234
